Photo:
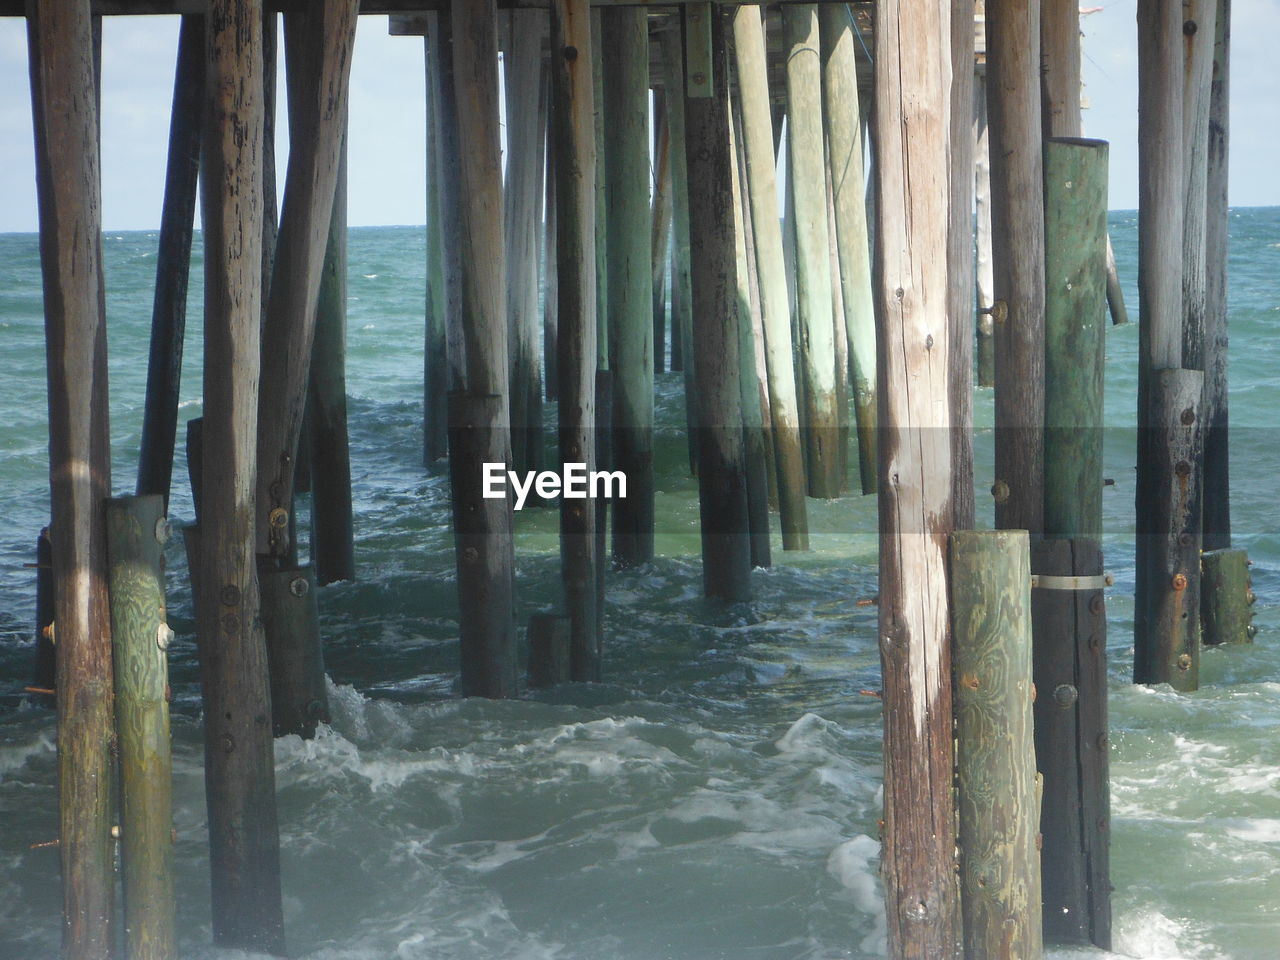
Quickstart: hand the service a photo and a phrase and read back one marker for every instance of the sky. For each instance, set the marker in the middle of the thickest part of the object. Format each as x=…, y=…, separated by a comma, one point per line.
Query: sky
x=387, y=132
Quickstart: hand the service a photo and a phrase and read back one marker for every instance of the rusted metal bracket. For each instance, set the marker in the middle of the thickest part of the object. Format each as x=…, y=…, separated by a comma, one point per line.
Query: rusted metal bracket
x=1043, y=581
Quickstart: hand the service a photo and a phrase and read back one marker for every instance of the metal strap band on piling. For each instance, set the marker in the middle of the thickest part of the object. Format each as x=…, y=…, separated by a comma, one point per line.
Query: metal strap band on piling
x=1043, y=581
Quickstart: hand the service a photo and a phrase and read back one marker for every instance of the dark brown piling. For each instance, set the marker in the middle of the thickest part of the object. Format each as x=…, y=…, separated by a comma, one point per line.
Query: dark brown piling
x=1069, y=621
x=435, y=361
x=45, y=675
x=550, y=274
x=572, y=136
x=173, y=263
x=332, y=536
x=722, y=489
x=483, y=545
x=239, y=767
x=1017, y=214
x=626, y=88
x=914, y=481
x=291, y=622
x=318, y=68
x=549, y=650
x=64, y=115
x=136, y=534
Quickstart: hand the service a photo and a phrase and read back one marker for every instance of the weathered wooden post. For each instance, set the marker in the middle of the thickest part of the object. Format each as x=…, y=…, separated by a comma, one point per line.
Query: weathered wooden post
x=318, y=101
x=136, y=534
x=844, y=146
x=550, y=271
x=436, y=361
x=291, y=622
x=758, y=148
x=995, y=758
x=660, y=235
x=626, y=88
x=44, y=677
x=549, y=650
x=722, y=488
x=1017, y=212
x=1197, y=75
x=64, y=117
x=910, y=288
x=960, y=269
x=239, y=767
x=526, y=107
x=572, y=111
x=1226, y=597
x=332, y=538
x=807, y=186
x=448, y=158
x=479, y=419
x=173, y=263
x=1217, y=473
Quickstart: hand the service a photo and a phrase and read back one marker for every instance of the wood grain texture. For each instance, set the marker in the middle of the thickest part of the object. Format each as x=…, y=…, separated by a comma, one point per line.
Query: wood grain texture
x=64, y=118
x=1226, y=597
x=910, y=283
x=1017, y=216
x=449, y=164
x=1197, y=78
x=960, y=269
x=775, y=308
x=291, y=622
x=239, y=766
x=574, y=149
x=173, y=264
x=626, y=93
x=722, y=493
x=318, y=102
x=995, y=759
x=136, y=534
x=1060, y=73
x=985, y=280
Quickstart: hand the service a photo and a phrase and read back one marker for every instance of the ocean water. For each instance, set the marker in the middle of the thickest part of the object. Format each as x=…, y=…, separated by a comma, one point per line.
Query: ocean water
x=717, y=795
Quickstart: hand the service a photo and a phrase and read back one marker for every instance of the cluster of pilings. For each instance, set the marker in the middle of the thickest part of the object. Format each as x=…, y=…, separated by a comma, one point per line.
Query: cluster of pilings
x=810, y=354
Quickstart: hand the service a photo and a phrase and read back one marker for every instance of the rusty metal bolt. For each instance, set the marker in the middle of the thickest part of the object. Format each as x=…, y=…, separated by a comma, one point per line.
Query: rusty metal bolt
x=1000, y=311
x=1098, y=605
x=1000, y=491
x=1184, y=661
x=1188, y=416
x=1179, y=581
x=699, y=79
x=298, y=586
x=278, y=518
x=1065, y=695
x=571, y=53
x=470, y=555
x=231, y=595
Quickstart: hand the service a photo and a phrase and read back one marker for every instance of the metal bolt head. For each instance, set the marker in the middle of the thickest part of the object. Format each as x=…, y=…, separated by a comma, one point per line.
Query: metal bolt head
x=1065, y=695
x=231, y=595
x=163, y=531
x=164, y=636
x=1179, y=581
x=298, y=586
x=1000, y=490
x=1251, y=630
x=699, y=79
x=278, y=518
x=1184, y=661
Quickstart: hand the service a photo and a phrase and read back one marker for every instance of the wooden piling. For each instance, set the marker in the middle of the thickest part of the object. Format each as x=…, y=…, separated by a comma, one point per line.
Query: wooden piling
x=526, y=107
x=435, y=432
x=579, y=413
x=173, y=263
x=332, y=537
x=550, y=274
x=448, y=157
x=1197, y=76
x=982, y=208
x=318, y=110
x=626, y=86
x=291, y=621
x=239, y=767
x=914, y=478
x=1217, y=472
x=1069, y=618
x=484, y=547
x=758, y=147
x=1166, y=629
x=660, y=235
x=1226, y=597
x=844, y=145
x=995, y=749
x=136, y=534
x=602, y=205
x=1075, y=220
x=807, y=186
x=722, y=489
x=64, y=118
x=549, y=650
x=1017, y=212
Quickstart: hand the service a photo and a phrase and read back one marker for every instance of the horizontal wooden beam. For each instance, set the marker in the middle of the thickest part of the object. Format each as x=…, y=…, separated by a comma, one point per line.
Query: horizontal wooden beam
x=17, y=8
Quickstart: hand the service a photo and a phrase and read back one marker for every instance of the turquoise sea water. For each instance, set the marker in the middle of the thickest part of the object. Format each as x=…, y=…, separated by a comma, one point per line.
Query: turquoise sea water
x=717, y=795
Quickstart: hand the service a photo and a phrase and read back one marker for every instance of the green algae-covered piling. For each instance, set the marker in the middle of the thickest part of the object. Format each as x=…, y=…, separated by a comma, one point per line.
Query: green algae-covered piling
x=239, y=768
x=291, y=622
x=484, y=547
x=761, y=188
x=995, y=759
x=1017, y=214
x=807, y=187
x=1226, y=597
x=549, y=643
x=1075, y=217
x=626, y=92
x=332, y=536
x=1167, y=599
x=64, y=116
x=844, y=146
x=136, y=534
x=722, y=487
x=914, y=474
x=579, y=411
x=173, y=263
x=1069, y=618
